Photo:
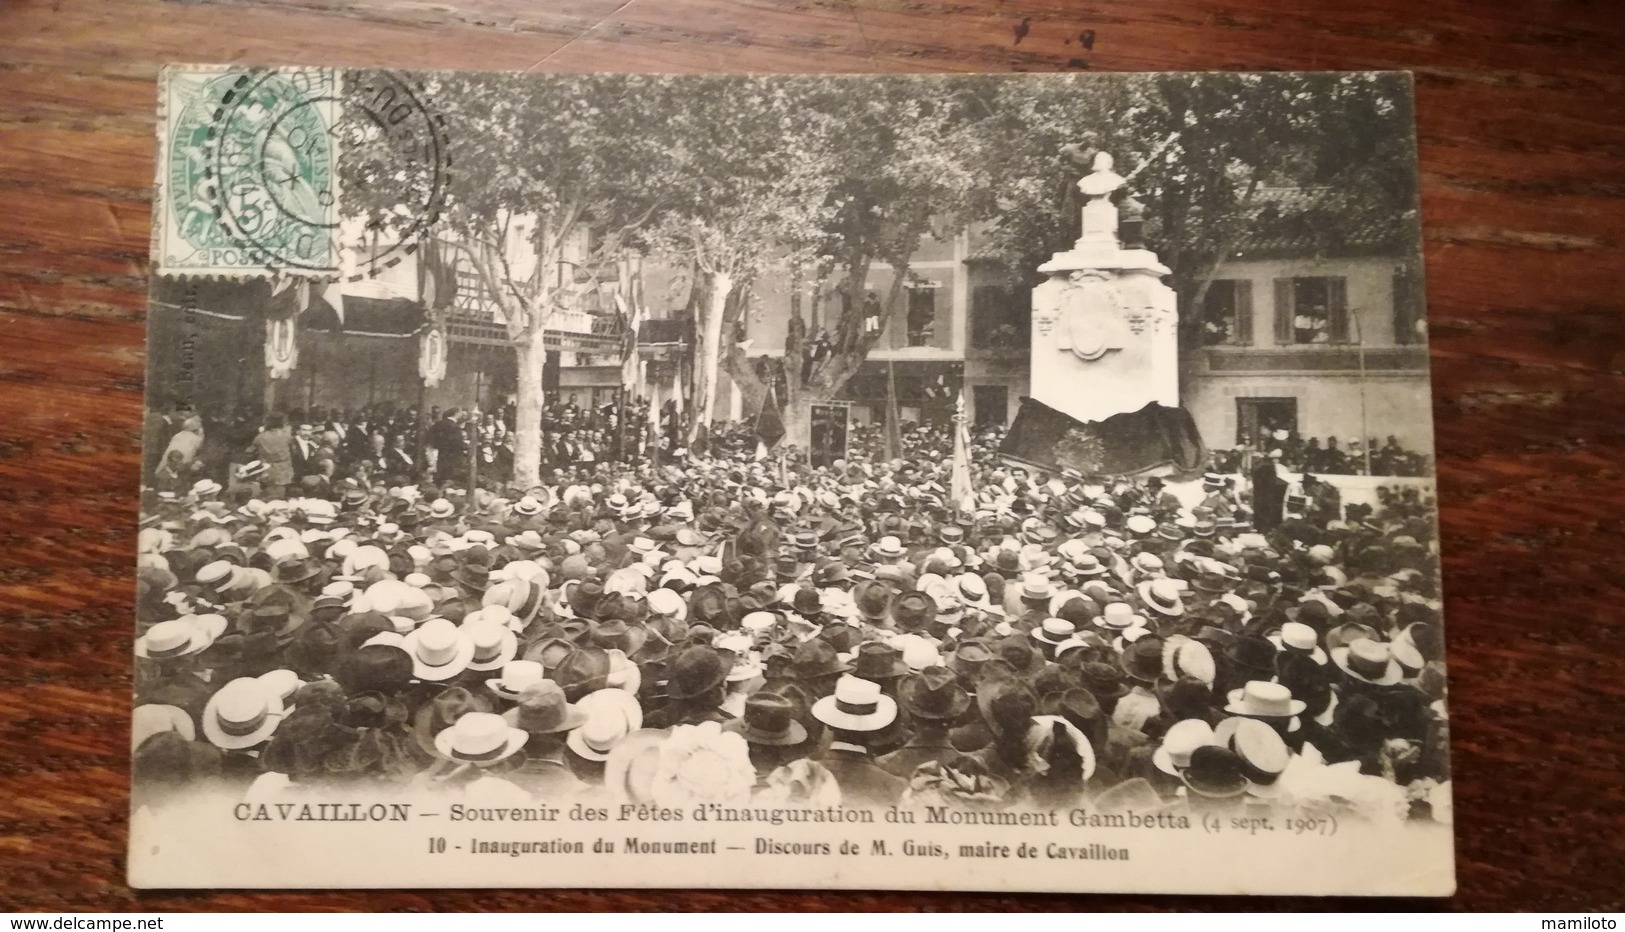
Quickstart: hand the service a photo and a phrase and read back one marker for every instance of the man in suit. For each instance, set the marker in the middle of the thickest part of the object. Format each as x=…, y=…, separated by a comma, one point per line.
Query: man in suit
x=398, y=460
x=446, y=437
x=855, y=714
x=304, y=451
x=1269, y=492
x=934, y=700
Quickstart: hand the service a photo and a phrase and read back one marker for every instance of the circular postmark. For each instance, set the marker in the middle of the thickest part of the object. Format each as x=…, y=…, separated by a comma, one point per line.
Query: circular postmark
x=273, y=167
x=396, y=161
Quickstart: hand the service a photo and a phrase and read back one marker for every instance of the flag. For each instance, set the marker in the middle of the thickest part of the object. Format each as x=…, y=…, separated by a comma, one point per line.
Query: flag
x=959, y=489
x=894, y=423
x=632, y=318
x=769, y=422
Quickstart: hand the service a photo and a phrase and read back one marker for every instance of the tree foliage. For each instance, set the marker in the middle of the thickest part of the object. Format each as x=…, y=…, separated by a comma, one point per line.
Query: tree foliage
x=730, y=176
x=1198, y=150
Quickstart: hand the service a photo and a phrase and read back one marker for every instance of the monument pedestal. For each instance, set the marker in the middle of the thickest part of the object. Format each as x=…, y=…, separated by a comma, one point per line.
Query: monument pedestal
x=1105, y=347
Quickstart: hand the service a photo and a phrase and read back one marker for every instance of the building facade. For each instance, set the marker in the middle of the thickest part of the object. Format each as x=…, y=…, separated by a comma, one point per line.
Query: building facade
x=1331, y=347
x=958, y=325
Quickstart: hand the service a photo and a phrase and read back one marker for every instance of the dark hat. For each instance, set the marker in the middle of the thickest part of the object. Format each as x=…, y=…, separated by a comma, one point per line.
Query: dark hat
x=844, y=638
x=1214, y=637
x=770, y=719
x=1251, y=653
x=442, y=712
x=1216, y=772
x=1054, y=678
x=1186, y=697
x=1018, y=651
x=695, y=672
x=612, y=633
x=970, y=658
x=913, y=610
x=584, y=598
x=872, y=598
x=474, y=576
x=1104, y=681
x=934, y=693
x=356, y=630
x=707, y=603
x=1007, y=563
x=243, y=654
x=877, y=660
x=1142, y=660
x=584, y=670
x=1079, y=706
x=377, y=668
x=831, y=574
x=816, y=658
x=296, y=571
x=1006, y=703
x=545, y=709
x=549, y=650
x=316, y=651
x=271, y=618
x=807, y=601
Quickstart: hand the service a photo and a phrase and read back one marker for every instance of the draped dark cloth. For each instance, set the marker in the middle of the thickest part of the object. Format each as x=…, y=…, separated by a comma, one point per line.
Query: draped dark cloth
x=1155, y=437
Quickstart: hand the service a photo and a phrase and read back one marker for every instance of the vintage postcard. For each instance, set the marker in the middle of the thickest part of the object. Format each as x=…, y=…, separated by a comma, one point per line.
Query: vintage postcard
x=1010, y=483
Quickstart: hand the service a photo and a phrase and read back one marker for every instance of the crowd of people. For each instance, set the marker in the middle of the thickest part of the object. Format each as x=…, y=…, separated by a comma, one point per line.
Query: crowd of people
x=730, y=629
x=1329, y=456
x=312, y=452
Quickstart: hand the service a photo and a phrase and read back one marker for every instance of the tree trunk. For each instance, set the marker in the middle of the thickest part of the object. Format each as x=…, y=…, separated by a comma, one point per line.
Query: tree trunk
x=752, y=390
x=709, y=345
x=527, y=441
x=798, y=423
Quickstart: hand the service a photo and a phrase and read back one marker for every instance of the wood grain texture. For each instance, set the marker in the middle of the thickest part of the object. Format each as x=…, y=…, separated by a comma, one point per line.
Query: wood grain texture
x=1521, y=107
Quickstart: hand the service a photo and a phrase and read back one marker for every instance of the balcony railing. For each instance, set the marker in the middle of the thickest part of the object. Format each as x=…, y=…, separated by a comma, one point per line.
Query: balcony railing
x=1341, y=357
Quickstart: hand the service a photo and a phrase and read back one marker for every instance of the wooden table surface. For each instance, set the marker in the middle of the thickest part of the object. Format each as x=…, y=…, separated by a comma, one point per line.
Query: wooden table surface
x=1523, y=179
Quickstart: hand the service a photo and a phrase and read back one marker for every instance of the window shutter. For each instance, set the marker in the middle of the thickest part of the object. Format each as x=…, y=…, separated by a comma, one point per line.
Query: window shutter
x=1243, y=334
x=942, y=330
x=1337, y=309
x=1283, y=311
x=1407, y=307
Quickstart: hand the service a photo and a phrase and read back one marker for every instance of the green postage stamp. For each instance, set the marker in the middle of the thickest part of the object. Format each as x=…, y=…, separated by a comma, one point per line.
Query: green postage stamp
x=248, y=172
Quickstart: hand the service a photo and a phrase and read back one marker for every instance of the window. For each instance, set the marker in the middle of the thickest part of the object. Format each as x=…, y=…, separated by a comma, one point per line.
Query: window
x=1227, y=313
x=922, y=316
x=992, y=405
x=1264, y=422
x=1311, y=310
x=998, y=319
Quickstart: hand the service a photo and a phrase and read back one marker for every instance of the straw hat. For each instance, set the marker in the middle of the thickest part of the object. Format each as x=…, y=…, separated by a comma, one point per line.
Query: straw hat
x=155, y=718
x=856, y=705
x=611, y=715
x=516, y=675
x=479, y=738
x=1178, y=743
x=1261, y=699
x=494, y=644
x=1369, y=662
x=242, y=714
x=439, y=649
x=168, y=640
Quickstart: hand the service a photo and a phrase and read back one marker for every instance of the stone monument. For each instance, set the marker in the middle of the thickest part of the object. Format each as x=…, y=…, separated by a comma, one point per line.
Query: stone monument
x=1105, y=330
x=1105, y=351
